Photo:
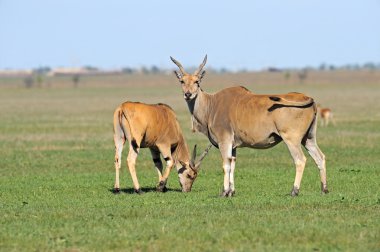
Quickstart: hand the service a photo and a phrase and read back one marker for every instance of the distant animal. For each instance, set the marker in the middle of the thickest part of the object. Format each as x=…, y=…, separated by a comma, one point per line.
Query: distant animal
x=235, y=117
x=154, y=127
x=326, y=116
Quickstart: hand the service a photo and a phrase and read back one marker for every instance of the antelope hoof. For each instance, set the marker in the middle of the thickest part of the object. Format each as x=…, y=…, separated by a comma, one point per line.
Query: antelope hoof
x=116, y=190
x=231, y=193
x=227, y=193
x=161, y=187
x=295, y=192
x=324, y=189
x=139, y=191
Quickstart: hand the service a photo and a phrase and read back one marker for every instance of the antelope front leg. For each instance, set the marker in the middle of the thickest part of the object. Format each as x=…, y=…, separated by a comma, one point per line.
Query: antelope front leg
x=162, y=184
x=157, y=163
x=226, y=152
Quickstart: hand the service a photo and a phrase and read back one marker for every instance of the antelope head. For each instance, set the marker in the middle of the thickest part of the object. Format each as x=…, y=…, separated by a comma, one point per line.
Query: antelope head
x=190, y=82
x=189, y=171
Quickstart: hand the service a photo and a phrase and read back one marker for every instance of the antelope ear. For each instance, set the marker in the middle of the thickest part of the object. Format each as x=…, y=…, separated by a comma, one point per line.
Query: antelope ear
x=179, y=76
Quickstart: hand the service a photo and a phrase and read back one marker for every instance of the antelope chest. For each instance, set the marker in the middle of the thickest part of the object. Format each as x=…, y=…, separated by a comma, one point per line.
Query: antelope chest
x=197, y=126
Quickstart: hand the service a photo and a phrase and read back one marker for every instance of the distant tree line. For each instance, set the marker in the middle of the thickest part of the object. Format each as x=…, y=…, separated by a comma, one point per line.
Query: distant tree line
x=40, y=74
x=157, y=70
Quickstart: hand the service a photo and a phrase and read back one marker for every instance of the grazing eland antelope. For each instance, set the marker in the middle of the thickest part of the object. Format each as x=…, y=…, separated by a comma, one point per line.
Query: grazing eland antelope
x=235, y=117
x=154, y=127
x=326, y=115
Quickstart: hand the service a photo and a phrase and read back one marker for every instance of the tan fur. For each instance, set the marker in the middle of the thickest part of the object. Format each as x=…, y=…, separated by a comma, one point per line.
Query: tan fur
x=235, y=117
x=154, y=127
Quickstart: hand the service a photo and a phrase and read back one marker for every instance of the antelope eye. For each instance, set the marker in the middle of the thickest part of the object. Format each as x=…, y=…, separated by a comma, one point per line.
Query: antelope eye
x=189, y=177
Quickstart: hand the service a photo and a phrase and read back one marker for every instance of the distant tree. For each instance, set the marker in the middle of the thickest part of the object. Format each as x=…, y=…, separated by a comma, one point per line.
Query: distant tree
x=91, y=68
x=42, y=70
x=302, y=75
x=144, y=70
x=28, y=82
x=76, y=79
x=223, y=70
x=155, y=70
x=332, y=67
x=39, y=80
x=369, y=65
x=322, y=67
x=356, y=66
x=346, y=67
x=287, y=75
x=128, y=70
x=274, y=69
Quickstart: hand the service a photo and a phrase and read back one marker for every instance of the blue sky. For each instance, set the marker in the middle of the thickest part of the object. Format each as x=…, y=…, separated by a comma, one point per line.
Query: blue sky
x=235, y=34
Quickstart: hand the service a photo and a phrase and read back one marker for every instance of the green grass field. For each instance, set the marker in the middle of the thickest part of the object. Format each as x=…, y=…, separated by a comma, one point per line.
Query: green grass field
x=57, y=173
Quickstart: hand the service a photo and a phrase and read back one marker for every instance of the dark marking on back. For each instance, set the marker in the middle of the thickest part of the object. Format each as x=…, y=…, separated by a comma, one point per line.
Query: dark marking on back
x=135, y=102
x=165, y=105
x=275, y=98
x=277, y=105
x=246, y=89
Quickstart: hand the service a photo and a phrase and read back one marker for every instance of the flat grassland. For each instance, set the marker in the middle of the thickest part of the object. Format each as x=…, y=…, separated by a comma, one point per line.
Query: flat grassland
x=57, y=172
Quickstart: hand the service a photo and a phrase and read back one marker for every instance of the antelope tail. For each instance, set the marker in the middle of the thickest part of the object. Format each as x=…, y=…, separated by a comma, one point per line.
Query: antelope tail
x=117, y=125
x=287, y=102
x=124, y=113
x=282, y=102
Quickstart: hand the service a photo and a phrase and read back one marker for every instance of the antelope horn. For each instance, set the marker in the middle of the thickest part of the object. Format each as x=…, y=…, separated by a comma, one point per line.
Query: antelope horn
x=204, y=153
x=193, y=156
x=201, y=66
x=178, y=65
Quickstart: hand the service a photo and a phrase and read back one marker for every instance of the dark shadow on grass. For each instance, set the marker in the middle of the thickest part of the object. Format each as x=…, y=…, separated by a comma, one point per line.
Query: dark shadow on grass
x=131, y=190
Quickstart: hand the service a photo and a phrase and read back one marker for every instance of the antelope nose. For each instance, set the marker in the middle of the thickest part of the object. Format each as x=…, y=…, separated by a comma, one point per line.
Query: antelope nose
x=187, y=95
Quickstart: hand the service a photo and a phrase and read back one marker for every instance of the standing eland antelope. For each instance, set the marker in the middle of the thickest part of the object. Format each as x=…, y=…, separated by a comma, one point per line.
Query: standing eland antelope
x=154, y=127
x=235, y=117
